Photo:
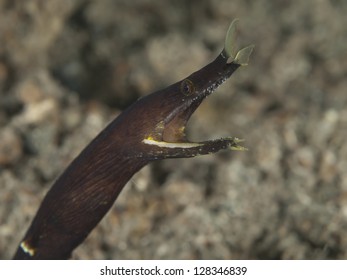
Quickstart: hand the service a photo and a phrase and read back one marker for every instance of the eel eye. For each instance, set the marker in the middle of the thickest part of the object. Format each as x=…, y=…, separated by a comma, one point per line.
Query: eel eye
x=187, y=87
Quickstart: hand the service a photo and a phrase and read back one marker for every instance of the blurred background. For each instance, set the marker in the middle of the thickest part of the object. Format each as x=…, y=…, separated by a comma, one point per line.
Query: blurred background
x=67, y=68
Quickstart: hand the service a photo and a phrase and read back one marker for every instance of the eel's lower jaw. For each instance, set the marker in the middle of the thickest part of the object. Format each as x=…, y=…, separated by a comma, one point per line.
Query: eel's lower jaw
x=160, y=149
x=170, y=141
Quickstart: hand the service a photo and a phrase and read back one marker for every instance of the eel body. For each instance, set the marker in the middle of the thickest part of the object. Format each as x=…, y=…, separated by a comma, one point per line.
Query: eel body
x=153, y=128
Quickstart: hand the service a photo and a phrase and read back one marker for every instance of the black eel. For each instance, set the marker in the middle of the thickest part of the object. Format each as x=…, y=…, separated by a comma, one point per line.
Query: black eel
x=152, y=128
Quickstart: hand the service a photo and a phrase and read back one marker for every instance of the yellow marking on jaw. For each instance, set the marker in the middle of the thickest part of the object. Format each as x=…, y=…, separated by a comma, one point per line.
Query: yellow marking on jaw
x=181, y=130
x=27, y=249
x=150, y=141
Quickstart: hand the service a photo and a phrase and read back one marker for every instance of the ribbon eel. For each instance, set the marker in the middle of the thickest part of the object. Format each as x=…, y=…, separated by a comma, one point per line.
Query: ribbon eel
x=152, y=128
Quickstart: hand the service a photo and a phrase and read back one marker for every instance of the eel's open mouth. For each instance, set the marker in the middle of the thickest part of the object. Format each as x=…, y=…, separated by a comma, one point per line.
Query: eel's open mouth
x=170, y=132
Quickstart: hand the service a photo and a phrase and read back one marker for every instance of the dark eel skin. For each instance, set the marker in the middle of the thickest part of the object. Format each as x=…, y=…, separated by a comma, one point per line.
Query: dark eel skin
x=150, y=129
